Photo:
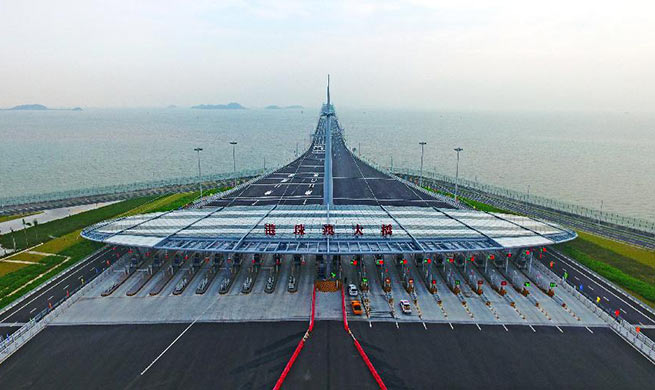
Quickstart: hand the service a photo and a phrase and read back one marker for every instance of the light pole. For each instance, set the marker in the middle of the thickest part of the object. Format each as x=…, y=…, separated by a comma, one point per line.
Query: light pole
x=234, y=160
x=199, y=173
x=420, y=179
x=457, y=172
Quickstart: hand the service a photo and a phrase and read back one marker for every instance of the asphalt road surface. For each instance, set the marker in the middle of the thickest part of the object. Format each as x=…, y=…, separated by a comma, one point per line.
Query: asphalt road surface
x=83, y=272
x=491, y=358
x=354, y=183
x=209, y=355
x=611, y=299
x=329, y=360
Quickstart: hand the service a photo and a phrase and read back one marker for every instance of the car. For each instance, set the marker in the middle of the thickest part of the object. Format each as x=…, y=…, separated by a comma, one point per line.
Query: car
x=352, y=290
x=405, y=307
x=356, y=306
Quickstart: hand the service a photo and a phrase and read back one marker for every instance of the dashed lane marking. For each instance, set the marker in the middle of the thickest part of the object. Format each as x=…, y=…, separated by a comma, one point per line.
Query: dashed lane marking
x=478, y=326
x=451, y=326
x=532, y=328
x=560, y=329
x=506, y=330
x=591, y=331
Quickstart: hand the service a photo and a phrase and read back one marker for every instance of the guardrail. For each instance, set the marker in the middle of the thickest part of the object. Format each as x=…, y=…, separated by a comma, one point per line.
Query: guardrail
x=126, y=188
x=574, y=209
x=626, y=330
x=31, y=328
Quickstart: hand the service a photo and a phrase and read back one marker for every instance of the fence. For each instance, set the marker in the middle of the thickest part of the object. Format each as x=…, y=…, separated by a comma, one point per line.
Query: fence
x=125, y=188
x=574, y=209
x=31, y=328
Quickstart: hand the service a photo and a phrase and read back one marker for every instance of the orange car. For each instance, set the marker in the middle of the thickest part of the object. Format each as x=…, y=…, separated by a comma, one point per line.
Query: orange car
x=357, y=307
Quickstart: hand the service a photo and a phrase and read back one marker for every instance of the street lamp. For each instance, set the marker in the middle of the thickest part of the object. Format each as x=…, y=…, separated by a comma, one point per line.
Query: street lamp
x=199, y=173
x=234, y=161
x=420, y=179
x=457, y=172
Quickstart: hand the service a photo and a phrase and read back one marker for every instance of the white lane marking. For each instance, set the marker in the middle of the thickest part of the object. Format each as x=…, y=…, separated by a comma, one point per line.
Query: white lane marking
x=532, y=328
x=592, y=332
x=506, y=330
x=426, y=328
x=169, y=346
x=622, y=310
x=590, y=288
x=560, y=329
x=81, y=268
x=397, y=327
x=277, y=186
x=292, y=174
x=268, y=192
x=33, y=310
x=451, y=326
x=305, y=201
x=178, y=337
x=254, y=203
x=605, y=298
x=315, y=174
x=284, y=180
x=594, y=279
x=309, y=192
x=478, y=326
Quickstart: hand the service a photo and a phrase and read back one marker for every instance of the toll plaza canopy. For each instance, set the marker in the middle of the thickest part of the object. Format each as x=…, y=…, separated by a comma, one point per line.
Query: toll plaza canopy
x=339, y=229
x=328, y=201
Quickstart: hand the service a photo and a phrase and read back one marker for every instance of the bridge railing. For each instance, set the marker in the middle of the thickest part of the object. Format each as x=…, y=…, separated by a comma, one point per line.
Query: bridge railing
x=125, y=188
x=571, y=208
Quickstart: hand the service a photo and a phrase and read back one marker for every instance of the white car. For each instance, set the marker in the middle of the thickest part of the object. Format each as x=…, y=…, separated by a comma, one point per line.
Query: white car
x=352, y=290
x=405, y=307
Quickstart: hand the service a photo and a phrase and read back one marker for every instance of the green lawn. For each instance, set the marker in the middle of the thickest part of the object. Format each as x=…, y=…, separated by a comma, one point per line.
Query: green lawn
x=472, y=203
x=60, y=227
x=629, y=267
x=67, y=241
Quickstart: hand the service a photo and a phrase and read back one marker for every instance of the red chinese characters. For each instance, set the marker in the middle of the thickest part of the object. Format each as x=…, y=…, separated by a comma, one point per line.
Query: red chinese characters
x=328, y=230
x=269, y=229
x=358, y=230
x=299, y=230
x=386, y=230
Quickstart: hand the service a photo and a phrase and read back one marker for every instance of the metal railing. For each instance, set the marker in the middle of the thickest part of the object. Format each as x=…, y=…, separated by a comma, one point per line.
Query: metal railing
x=25, y=333
x=125, y=188
x=573, y=209
x=622, y=327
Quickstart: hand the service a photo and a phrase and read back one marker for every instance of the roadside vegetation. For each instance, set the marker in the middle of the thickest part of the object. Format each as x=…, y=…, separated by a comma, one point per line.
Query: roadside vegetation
x=471, y=203
x=62, y=245
x=5, y=218
x=630, y=267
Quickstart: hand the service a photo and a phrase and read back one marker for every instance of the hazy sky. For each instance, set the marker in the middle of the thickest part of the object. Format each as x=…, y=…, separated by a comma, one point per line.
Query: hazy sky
x=544, y=55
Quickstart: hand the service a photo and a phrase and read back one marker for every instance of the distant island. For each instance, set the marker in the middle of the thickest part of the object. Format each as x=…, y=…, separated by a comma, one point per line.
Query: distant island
x=30, y=107
x=274, y=107
x=40, y=107
x=229, y=106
